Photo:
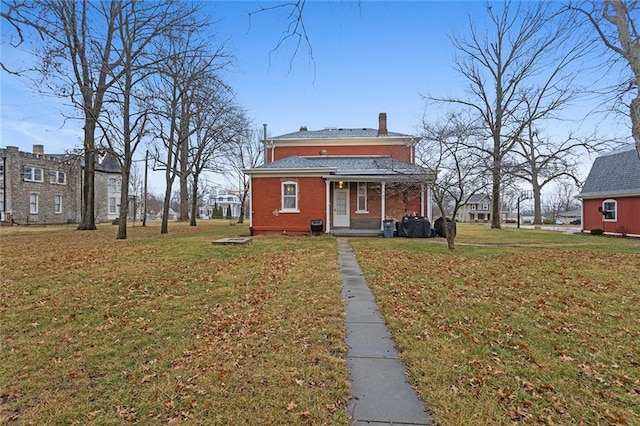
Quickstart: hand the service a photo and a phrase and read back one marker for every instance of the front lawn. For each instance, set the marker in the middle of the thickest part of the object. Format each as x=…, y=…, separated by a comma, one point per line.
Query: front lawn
x=521, y=326
x=169, y=329
x=513, y=326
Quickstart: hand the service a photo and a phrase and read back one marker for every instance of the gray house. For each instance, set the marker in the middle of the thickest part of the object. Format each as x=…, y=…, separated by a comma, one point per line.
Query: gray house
x=39, y=188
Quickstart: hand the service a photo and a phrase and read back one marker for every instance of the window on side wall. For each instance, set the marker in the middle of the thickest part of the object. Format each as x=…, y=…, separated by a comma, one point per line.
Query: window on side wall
x=57, y=177
x=32, y=174
x=112, y=205
x=289, y=196
x=362, y=197
x=57, y=203
x=609, y=210
x=33, y=203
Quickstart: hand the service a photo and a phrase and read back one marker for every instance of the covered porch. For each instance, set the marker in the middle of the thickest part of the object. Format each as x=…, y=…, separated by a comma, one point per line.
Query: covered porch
x=358, y=206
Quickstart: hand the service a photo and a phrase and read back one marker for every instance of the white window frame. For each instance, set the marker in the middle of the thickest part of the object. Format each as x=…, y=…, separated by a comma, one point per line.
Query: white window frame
x=113, y=205
x=605, y=212
x=113, y=185
x=362, y=198
x=286, y=198
x=33, y=203
x=31, y=176
x=57, y=177
x=485, y=206
x=57, y=204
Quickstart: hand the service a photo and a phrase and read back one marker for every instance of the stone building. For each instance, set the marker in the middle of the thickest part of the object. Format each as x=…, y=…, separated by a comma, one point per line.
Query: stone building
x=39, y=188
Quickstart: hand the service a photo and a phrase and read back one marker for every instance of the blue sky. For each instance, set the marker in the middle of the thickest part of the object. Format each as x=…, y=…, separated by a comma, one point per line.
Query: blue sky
x=368, y=57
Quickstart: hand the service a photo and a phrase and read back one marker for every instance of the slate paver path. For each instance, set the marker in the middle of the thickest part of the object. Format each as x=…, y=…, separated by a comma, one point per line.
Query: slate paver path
x=381, y=393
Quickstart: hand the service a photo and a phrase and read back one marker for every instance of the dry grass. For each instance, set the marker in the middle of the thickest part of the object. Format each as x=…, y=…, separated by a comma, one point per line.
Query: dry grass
x=513, y=327
x=165, y=329
x=507, y=331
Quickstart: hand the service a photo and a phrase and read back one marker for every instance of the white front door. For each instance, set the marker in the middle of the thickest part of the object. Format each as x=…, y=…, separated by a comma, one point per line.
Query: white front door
x=341, y=207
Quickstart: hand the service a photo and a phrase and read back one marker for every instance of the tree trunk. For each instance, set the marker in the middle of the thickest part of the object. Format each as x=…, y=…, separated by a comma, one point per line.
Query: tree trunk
x=450, y=233
x=537, y=204
x=184, y=180
x=124, y=203
x=194, y=201
x=635, y=122
x=495, y=195
x=88, y=219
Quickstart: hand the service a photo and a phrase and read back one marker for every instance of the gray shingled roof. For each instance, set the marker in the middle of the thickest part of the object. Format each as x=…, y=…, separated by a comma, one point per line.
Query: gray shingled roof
x=338, y=133
x=617, y=173
x=346, y=165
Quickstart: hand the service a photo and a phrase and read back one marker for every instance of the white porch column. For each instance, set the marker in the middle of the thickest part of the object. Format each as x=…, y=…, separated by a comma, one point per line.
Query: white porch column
x=429, y=205
x=422, y=200
x=328, y=205
x=383, y=205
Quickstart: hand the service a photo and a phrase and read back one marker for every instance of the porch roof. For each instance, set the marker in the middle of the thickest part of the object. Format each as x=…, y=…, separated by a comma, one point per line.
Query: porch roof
x=344, y=167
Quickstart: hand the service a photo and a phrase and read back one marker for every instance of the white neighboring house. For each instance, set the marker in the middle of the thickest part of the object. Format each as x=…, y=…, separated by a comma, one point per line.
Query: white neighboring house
x=226, y=201
x=477, y=209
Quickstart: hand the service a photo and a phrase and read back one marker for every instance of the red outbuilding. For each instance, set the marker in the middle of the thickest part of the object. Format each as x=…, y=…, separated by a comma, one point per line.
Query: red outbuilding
x=611, y=194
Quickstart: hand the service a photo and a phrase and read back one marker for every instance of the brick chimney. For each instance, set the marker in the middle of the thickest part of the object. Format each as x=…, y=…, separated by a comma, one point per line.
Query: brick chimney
x=382, y=124
x=38, y=150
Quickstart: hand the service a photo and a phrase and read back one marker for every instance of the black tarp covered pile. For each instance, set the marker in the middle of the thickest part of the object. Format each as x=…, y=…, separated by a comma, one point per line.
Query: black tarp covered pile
x=439, y=226
x=414, y=227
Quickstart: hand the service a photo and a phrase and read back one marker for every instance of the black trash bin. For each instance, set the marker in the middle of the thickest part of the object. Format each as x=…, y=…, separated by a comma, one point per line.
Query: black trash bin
x=387, y=228
x=316, y=226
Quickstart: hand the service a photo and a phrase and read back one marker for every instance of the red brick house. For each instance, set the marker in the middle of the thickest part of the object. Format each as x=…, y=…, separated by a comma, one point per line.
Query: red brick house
x=347, y=180
x=611, y=194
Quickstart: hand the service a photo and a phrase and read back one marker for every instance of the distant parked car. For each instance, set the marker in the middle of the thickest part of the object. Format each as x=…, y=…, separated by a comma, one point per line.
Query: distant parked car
x=576, y=222
x=558, y=222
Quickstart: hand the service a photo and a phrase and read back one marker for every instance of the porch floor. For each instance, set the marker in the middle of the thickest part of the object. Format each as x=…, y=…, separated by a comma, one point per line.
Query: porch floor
x=347, y=232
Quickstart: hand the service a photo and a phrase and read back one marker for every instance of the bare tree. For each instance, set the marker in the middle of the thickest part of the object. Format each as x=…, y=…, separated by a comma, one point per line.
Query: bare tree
x=214, y=126
x=447, y=154
x=615, y=24
x=140, y=27
x=177, y=96
x=562, y=198
x=523, y=55
x=77, y=52
x=540, y=160
x=245, y=151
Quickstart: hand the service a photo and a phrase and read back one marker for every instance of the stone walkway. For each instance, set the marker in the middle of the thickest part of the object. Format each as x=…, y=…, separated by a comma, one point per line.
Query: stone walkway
x=381, y=393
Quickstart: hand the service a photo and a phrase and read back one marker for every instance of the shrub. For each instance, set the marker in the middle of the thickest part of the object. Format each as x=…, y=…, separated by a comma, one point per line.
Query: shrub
x=597, y=231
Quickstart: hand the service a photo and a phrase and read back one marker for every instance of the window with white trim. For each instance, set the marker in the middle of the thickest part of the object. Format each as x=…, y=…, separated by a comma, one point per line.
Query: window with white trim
x=114, y=185
x=57, y=203
x=32, y=174
x=290, y=196
x=362, y=197
x=57, y=177
x=33, y=203
x=485, y=206
x=609, y=210
x=112, y=205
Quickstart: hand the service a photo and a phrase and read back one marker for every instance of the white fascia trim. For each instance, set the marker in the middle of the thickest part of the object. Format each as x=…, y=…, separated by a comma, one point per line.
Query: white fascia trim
x=347, y=142
x=607, y=195
x=288, y=171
